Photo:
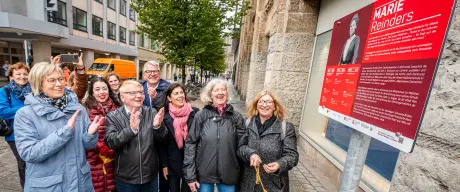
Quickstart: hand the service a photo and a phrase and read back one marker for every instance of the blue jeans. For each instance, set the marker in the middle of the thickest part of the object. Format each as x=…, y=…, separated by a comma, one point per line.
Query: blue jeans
x=151, y=186
x=209, y=187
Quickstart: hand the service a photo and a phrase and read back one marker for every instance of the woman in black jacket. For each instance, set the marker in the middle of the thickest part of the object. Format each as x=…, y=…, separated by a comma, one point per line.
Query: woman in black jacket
x=269, y=145
x=178, y=118
x=212, y=142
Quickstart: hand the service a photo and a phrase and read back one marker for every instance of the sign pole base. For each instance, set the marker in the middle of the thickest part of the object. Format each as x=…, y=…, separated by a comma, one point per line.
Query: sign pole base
x=354, y=164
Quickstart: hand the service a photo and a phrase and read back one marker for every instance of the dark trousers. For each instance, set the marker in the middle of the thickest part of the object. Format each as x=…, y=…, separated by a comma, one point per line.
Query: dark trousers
x=176, y=186
x=126, y=187
x=20, y=162
x=163, y=183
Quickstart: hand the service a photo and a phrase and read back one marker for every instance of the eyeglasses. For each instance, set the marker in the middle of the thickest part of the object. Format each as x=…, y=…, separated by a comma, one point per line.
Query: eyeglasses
x=267, y=102
x=53, y=81
x=134, y=93
x=152, y=71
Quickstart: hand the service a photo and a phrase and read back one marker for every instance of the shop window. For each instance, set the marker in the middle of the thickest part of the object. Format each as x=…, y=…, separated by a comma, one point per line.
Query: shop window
x=79, y=19
x=334, y=137
x=97, y=26
x=381, y=157
x=59, y=16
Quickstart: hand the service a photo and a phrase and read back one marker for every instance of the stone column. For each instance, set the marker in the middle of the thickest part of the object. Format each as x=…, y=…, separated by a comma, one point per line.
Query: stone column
x=136, y=61
x=434, y=164
x=245, y=47
x=42, y=51
x=292, y=28
x=117, y=56
x=259, y=51
x=88, y=57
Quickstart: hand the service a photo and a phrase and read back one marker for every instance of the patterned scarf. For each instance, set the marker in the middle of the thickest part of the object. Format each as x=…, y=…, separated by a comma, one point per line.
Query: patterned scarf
x=59, y=103
x=180, y=117
x=19, y=92
x=221, y=108
x=107, y=106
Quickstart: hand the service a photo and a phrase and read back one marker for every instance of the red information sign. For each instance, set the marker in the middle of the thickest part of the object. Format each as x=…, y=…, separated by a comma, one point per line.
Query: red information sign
x=381, y=66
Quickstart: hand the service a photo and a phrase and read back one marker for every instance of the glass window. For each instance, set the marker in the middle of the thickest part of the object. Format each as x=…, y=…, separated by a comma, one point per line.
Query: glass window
x=97, y=26
x=153, y=45
x=122, y=34
x=58, y=16
x=111, y=30
x=99, y=66
x=123, y=7
x=141, y=40
x=99, y=1
x=79, y=19
x=132, y=37
x=132, y=14
x=111, y=4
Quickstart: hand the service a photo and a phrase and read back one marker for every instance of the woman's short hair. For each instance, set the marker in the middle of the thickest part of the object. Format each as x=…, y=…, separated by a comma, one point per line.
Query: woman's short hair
x=205, y=95
x=355, y=18
x=280, y=111
x=129, y=82
x=107, y=77
x=38, y=72
x=17, y=66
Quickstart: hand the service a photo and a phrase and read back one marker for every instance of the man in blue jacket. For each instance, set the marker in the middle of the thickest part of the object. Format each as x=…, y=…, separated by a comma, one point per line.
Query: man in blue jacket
x=154, y=89
x=154, y=86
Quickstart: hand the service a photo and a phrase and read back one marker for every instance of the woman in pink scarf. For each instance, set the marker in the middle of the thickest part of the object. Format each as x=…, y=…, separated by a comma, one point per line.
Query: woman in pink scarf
x=178, y=117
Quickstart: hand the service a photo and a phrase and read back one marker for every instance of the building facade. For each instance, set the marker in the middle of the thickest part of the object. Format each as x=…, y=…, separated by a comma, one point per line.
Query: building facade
x=284, y=46
x=97, y=28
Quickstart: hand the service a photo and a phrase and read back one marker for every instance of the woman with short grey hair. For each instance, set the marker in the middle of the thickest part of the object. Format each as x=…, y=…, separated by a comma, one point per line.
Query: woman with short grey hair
x=212, y=142
x=52, y=133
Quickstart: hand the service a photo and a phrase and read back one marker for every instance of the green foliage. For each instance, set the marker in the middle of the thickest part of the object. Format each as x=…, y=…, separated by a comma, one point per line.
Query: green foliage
x=190, y=32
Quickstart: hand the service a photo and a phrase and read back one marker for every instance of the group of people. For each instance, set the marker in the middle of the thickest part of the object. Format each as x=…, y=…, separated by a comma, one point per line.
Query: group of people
x=110, y=135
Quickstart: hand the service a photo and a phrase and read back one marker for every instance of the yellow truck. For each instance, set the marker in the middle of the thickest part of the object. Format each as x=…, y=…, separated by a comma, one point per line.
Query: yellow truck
x=101, y=66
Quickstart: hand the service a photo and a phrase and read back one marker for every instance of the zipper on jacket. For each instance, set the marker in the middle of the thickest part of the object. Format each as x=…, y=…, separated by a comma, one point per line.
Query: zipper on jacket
x=140, y=152
x=217, y=151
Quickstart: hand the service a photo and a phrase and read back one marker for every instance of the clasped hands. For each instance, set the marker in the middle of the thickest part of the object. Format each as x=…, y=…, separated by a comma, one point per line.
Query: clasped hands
x=255, y=161
x=134, y=119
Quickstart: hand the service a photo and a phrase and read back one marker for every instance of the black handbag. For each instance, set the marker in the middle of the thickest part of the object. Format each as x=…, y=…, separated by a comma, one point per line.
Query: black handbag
x=5, y=129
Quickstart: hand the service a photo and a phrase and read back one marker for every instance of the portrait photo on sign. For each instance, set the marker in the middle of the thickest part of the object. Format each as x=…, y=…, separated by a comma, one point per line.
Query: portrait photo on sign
x=349, y=38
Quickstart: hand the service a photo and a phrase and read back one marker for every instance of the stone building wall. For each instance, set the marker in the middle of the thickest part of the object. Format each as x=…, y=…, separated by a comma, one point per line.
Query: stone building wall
x=435, y=163
x=280, y=56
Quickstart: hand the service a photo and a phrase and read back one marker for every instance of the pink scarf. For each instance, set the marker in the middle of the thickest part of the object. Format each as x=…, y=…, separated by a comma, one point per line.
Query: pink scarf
x=221, y=108
x=180, y=117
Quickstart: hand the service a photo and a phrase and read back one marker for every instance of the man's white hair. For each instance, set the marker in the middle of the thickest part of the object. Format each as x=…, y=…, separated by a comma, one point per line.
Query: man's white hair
x=151, y=62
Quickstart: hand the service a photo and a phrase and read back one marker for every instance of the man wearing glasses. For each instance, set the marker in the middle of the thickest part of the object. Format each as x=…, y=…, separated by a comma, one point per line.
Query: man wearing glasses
x=132, y=132
x=154, y=86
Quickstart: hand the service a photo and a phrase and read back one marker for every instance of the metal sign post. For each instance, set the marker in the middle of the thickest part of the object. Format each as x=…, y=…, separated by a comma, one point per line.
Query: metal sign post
x=27, y=49
x=356, y=157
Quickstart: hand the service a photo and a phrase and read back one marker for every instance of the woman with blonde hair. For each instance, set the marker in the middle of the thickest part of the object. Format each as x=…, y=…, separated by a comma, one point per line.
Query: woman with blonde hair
x=269, y=141
x=52, y=132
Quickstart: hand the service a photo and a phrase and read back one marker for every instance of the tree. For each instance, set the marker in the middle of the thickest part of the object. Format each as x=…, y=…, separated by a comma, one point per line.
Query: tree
x=190, y=32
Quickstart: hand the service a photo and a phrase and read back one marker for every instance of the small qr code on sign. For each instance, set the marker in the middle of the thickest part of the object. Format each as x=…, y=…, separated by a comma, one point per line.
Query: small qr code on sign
x=401, y=140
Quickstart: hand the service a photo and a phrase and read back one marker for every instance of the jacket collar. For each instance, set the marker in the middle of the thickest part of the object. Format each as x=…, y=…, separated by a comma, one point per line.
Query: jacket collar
x=162, y=85
x=275, y=128
x=42, y=108
x=228, y=110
